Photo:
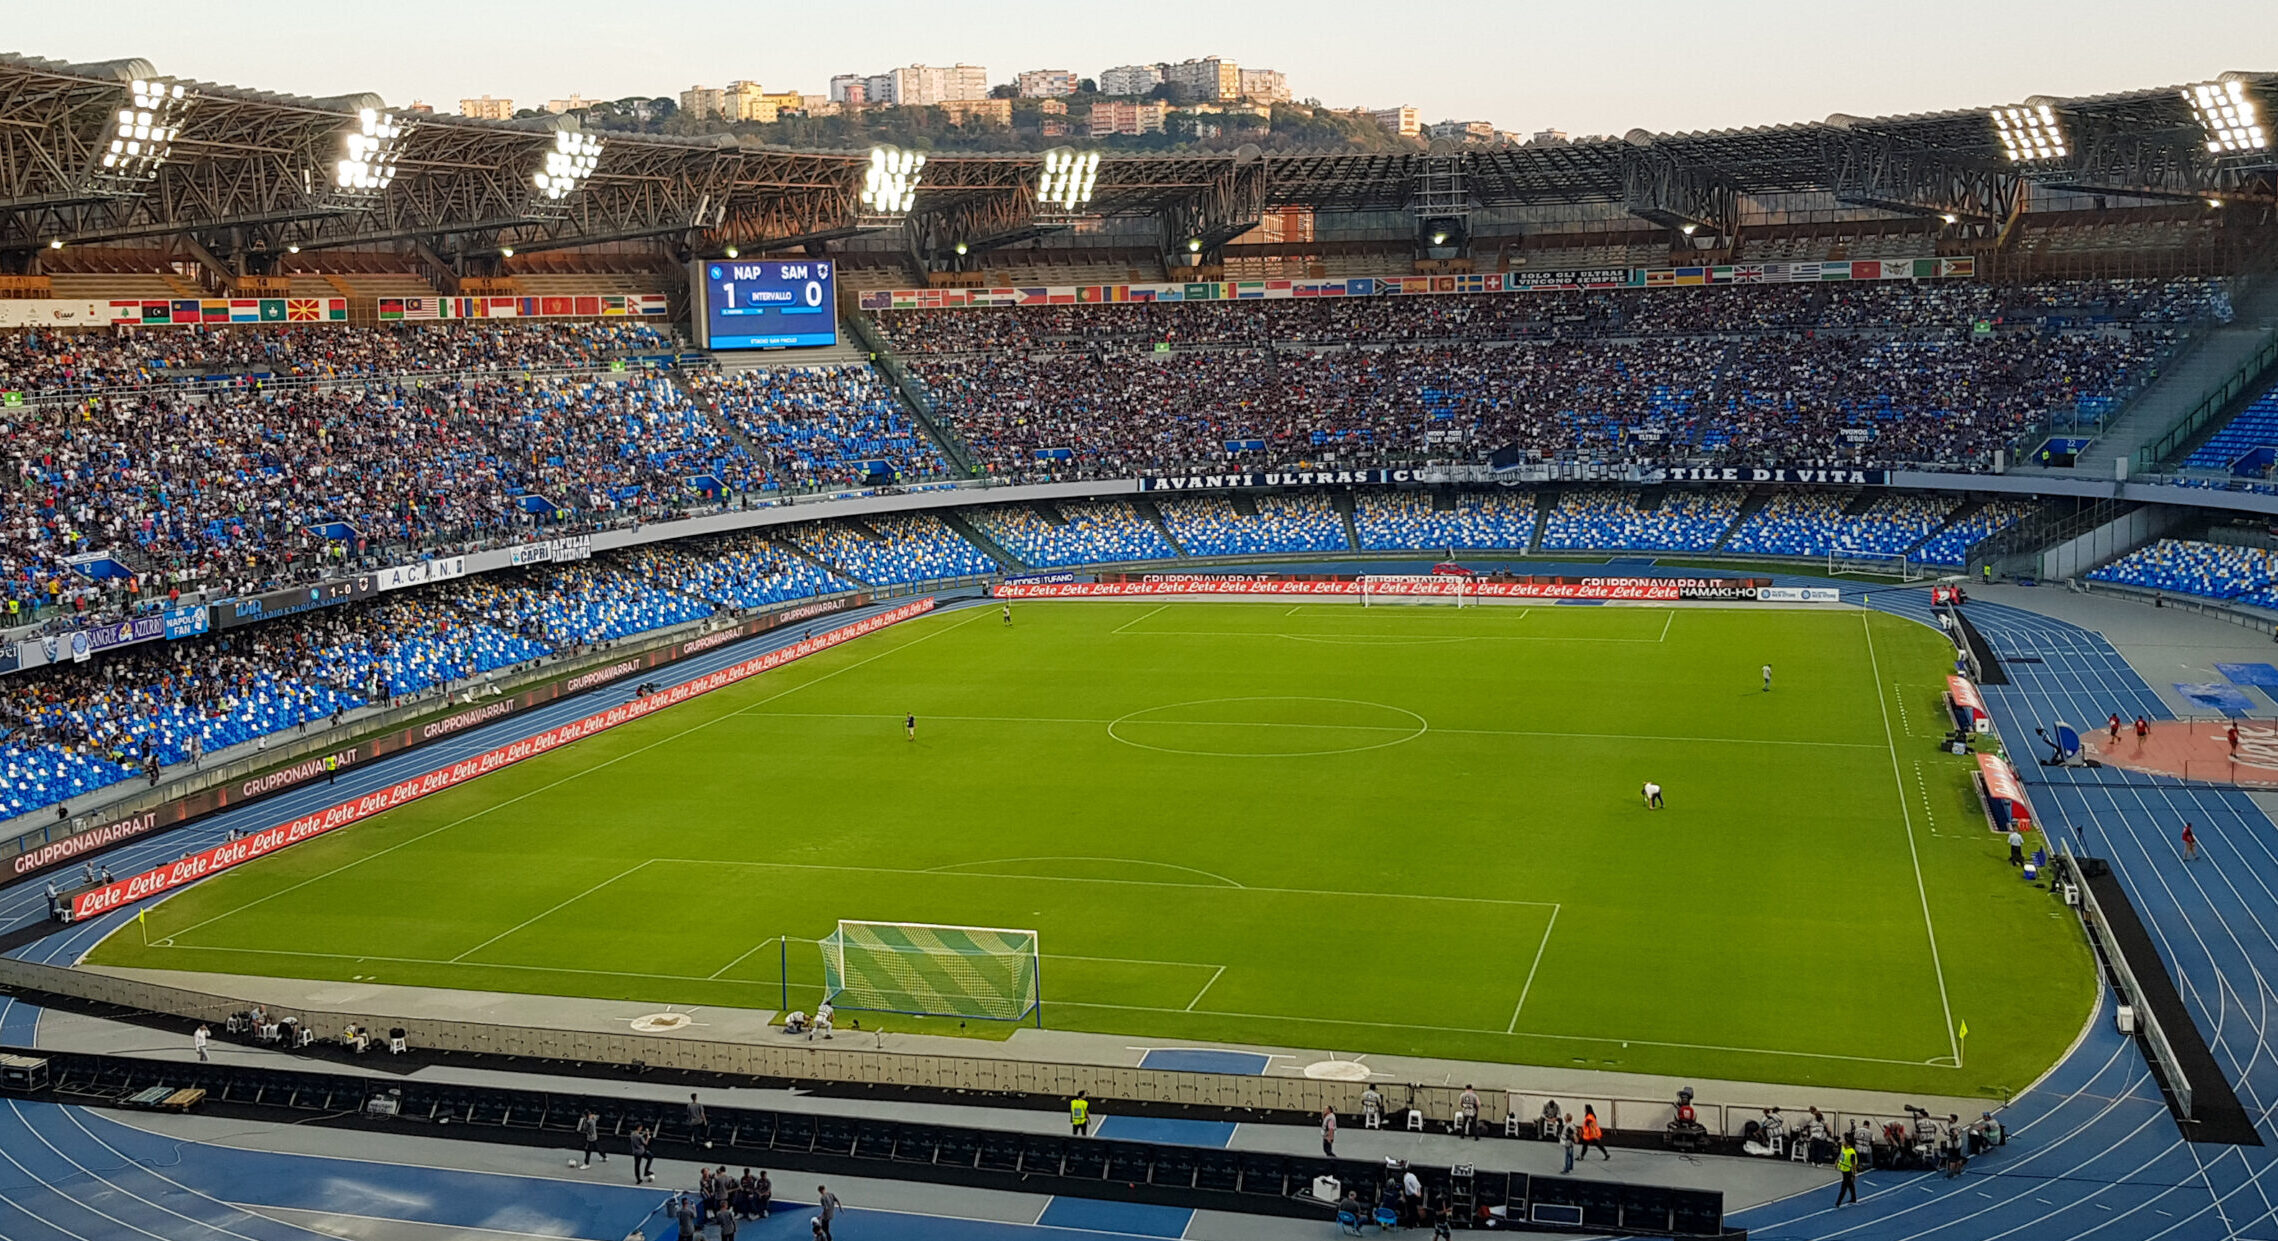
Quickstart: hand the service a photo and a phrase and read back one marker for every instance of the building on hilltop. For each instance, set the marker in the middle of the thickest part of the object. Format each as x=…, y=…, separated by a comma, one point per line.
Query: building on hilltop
x=1130, y=79
x=1404, y=120
x=487, y=109
x=1208, y=78
x=1116, y=116
x=1264, y=85
x=1044, y=83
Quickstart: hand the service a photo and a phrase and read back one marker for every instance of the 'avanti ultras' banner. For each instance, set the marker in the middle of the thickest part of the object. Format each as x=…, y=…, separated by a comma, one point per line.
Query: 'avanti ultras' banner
x=222, y=857
x=1604, y=589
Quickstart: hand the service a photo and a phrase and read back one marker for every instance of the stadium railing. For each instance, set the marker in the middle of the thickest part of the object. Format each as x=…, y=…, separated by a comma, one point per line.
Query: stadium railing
x=800, y=1060
x=2131, y=991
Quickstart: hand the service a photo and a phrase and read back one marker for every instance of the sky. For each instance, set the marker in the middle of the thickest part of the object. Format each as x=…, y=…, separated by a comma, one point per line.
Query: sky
x=1577, y=65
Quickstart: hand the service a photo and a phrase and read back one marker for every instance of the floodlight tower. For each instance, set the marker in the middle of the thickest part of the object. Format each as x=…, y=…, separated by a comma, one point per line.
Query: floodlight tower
x=141, y=136
x=889, y=190
x=566, y=166
x=1064, y=187
x=2032, y=134
x=2232, y=119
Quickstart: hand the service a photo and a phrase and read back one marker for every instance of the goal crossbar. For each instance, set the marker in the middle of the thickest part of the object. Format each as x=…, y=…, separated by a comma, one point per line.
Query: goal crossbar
x=934, y=969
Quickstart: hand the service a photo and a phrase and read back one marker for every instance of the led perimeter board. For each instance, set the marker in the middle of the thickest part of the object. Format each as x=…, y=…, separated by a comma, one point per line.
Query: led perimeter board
x=765, y=303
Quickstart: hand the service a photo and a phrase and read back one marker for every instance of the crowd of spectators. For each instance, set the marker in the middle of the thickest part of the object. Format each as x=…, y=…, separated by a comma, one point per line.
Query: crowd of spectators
x=1085, y=532
x=820, y=426
x=1865, y=374
x=42, y=362
x=1549, y=314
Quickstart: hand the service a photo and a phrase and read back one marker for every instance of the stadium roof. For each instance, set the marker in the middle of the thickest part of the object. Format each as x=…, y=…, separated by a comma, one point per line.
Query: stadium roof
x=249, y=169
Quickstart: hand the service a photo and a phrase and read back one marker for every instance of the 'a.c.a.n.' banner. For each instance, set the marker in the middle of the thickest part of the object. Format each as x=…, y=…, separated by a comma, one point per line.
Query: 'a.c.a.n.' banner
x=260, y=844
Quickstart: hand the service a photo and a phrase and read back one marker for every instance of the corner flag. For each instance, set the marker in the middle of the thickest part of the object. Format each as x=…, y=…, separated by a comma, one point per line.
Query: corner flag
x=1964, y=1032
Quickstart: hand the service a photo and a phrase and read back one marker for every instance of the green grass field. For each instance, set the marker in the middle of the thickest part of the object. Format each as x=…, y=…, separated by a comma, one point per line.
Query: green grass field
x=1401, y=830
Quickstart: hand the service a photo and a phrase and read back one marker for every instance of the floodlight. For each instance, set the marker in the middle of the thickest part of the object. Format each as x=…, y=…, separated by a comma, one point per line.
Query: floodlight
x=1068, y=178
x=961, y=247
x=1688, y=229
x=1950, y=218
x=1440, y=239
x=2215, y=203
x=369, y=152
x=732, y=252
x=2030, y=133
x=55, y=243
x=142, y=133
x=1194, y=245
x=506, y=252
x=293, y=248
x=2230, y=116
x=890, y=184
x=570, y=164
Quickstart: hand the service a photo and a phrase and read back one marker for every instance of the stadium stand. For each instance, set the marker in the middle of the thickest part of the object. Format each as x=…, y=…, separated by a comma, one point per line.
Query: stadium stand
x=743, y=571
x=1793, y=523
x=2247, y=444
x=888, y=550
x=1088, y=532
x=1950, y=546
x=1061, y=392
x=824, y=425
x=1472, y=519
x=1217, y=526
x=1685, y=521
x=2190, y=567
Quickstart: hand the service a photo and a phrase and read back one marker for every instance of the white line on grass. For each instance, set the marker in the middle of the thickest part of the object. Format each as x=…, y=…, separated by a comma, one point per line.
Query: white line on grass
x=1538, y=951
x=1205, y=989
x=1120, y=861
x=1382, y=639
x=548, y=913
x=746, y=956
x=1906, y=811
x=1125, y=627
x=1134, y=883
x=579, y=773
x=1665, y=626
x=1358, y=728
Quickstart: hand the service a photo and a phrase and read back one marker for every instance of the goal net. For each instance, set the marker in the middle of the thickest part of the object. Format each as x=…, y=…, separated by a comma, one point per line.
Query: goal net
x=928, y=970
x=1444, y=590
x=1844, y=562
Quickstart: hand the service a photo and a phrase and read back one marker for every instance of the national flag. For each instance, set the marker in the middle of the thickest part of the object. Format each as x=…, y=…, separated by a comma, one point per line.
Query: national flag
x=555, y=307
x=157, y=312
x=1867, y=269
x=1660, y=277
x=1965, y=266
x=588, y=306
x=245, y=310
x=509, y=307
x=1142, y=292
x=1060, y=299
x=272, y=310
x=1835, y=270
x=391, y=308
x=336, y=309
x=1747, y=273
x=1201, y=292
x=1034, y=296
x=877, y=301
x=1688, y=275
x=214, y=310
x=614, y=304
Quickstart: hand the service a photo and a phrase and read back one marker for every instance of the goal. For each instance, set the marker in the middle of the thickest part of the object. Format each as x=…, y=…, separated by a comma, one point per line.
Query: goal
x=1445, y=590
x=1843, y=562
x=926, y=969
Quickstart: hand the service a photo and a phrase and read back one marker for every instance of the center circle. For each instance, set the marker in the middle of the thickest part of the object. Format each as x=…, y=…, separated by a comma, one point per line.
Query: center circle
x=1337, y=1071
x=1268, y=727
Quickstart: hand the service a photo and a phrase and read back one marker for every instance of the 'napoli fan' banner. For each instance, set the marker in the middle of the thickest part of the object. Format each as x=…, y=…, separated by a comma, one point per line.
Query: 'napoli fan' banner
x=260, y=844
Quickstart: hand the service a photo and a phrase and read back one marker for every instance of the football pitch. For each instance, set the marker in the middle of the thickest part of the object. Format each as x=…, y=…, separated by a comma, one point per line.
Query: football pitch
x=1411, y=830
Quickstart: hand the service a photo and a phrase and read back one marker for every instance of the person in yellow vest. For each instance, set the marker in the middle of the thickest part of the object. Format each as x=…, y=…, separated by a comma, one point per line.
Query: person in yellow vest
x=331, y=767
x=1847, y=1163
x=1080, y=1113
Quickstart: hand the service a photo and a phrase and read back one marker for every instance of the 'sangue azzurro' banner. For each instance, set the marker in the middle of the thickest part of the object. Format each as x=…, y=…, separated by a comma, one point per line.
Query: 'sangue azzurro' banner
x=1810, y=272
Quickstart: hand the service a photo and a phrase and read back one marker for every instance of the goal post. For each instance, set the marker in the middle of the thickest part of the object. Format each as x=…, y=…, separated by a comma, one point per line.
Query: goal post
x=1442, y=589
x=931, y=970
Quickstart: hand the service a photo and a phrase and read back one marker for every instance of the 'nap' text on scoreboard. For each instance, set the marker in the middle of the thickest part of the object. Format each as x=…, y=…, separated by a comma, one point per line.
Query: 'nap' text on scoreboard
x=766, y=304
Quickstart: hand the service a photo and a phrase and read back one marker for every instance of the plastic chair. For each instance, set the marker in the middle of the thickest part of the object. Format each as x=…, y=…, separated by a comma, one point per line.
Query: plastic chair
x=1416, y=1119
x=1387, y=1219
x=1348, y=1222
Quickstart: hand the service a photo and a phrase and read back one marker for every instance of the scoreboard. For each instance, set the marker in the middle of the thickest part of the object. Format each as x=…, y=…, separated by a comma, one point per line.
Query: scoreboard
x=765, y=304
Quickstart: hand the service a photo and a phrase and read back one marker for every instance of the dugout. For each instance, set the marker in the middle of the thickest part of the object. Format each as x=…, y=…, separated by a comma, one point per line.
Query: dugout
x=2003, y=795
x=1966, y=705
